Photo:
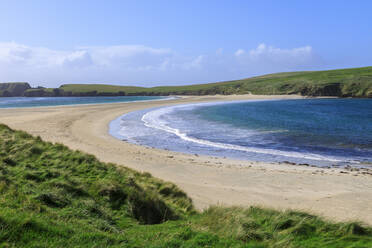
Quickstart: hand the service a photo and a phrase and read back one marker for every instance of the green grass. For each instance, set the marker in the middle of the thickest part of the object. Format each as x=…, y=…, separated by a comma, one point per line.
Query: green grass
x=355, y=82
x=264, y=227
x=52, y=196
x=101, y=89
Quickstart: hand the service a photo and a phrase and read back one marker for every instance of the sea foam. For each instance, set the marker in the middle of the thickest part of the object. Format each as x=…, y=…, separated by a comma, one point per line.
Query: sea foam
x=153, y=119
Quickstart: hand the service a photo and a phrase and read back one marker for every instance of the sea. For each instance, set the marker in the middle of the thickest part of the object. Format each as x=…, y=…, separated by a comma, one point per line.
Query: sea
x=319, y=132
x=25, y=102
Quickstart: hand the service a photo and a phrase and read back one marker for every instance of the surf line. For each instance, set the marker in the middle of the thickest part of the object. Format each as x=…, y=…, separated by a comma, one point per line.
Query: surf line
x=152, y=119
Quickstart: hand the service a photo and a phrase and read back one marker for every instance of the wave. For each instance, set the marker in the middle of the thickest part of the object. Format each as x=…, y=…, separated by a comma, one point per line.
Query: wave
x=153, y=119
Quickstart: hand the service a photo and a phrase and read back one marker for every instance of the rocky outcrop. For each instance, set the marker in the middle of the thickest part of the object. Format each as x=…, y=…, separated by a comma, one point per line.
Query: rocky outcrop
x=333, y=89
x=13, y=89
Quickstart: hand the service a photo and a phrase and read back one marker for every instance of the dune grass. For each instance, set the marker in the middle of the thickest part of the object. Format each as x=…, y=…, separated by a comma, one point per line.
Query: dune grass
x=269, y=228
x=51, y=196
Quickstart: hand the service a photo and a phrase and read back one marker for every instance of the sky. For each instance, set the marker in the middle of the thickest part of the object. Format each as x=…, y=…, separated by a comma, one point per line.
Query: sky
x=174, y=42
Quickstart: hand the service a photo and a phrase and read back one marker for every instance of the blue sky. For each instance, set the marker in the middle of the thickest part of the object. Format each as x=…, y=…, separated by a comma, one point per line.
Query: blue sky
x=178, y=42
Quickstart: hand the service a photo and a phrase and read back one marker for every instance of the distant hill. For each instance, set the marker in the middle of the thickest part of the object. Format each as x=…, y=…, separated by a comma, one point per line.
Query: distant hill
x=354, y=82
x=13, y=89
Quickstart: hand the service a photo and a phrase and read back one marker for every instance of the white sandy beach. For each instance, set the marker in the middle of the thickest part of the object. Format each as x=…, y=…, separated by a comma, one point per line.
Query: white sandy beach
x=334, y=193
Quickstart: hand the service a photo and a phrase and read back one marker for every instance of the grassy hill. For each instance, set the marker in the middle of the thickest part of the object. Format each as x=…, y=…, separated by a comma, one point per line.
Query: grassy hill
x=355, y=82
x=51, y=196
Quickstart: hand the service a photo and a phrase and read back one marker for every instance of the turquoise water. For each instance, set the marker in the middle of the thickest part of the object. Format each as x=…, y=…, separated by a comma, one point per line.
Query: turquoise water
x=22, y=102
x=316, y=131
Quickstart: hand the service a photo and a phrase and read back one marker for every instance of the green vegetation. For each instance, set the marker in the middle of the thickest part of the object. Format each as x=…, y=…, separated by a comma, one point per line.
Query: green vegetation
x=87, y=90
x=52, y=196
x=355, y=82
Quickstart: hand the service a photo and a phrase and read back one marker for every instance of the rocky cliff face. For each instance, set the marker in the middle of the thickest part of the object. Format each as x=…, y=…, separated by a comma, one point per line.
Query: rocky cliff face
x=13, y=89
x=333, y=89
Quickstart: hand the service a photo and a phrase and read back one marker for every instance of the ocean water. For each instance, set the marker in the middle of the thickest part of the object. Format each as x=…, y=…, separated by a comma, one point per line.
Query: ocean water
x=22, y=102
x=321, y=132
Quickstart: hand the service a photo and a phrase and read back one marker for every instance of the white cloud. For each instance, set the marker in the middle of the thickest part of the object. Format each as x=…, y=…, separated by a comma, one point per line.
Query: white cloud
x=278, y=54
x=130, y=55
x=143, y=65
x=195, y=63
x=239, y=52
x=268, y=59
x=78, y=59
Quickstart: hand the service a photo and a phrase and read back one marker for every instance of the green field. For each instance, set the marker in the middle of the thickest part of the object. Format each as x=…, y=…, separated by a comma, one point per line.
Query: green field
x=52, y=196
x=356, y=82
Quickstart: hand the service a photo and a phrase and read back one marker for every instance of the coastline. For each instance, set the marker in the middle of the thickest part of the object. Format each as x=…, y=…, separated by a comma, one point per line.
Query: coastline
x=207, y=180
x=82, y=104
x=176, y=128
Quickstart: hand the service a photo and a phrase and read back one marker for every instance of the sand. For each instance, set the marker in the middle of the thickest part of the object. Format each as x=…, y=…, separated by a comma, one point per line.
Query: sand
x=336, y=194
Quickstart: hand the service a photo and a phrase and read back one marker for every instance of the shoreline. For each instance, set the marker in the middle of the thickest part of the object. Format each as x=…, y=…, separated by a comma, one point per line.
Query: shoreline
x=185, y=144
x=87, y=104
x=334, y=193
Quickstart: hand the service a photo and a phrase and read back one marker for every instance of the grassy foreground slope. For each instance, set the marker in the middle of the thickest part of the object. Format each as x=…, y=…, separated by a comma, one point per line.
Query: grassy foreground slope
x=355, y=82
x=51, y=196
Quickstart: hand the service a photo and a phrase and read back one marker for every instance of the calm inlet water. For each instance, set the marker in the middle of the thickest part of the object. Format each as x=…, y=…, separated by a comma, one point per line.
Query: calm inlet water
x=21, y=102
x=318, y=131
